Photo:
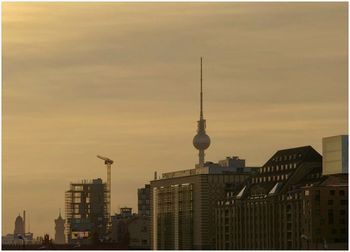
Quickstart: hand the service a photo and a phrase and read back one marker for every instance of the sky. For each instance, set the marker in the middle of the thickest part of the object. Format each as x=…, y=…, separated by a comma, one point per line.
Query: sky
x=122, y=80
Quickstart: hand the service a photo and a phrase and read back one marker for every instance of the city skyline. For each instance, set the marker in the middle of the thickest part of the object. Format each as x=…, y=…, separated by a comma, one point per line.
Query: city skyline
x=87, y=79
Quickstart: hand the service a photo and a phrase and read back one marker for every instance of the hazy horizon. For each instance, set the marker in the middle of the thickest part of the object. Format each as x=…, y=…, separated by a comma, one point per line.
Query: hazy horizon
x=122, y=80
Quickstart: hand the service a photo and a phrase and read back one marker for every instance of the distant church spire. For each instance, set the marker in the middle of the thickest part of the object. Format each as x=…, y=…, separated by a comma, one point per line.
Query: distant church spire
x=201, y=141
x=59, y=229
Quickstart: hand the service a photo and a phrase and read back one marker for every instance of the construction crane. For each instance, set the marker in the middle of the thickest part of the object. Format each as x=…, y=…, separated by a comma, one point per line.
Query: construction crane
x=108, y=163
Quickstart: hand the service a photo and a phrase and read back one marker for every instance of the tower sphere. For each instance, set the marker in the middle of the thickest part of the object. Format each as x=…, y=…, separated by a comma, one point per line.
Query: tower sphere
x=201, y=141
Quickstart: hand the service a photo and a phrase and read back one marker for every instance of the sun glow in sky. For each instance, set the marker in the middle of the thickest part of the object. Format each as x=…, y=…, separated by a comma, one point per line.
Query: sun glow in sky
x=122, y=80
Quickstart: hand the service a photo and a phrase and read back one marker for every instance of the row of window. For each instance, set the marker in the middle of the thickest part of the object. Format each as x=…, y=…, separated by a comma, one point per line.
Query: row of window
x=281, y=167
x=287, y=157
x=341, y=192
x=270, y=178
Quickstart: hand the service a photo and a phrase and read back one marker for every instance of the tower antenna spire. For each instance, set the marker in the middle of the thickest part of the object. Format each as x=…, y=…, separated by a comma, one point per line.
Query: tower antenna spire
x=201, y=94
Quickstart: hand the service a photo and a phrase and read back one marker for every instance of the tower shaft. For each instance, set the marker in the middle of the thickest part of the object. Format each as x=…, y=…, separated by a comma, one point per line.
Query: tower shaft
x=109, y=188
x=201, y=156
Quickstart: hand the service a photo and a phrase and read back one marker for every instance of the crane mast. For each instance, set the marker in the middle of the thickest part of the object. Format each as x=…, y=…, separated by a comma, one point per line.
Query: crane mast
x=108, y=163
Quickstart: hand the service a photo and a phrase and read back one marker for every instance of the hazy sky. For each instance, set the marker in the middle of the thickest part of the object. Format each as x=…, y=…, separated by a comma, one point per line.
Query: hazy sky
x=122, y=80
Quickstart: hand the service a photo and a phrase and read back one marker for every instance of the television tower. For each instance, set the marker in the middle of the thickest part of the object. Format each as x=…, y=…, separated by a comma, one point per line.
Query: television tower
x=201, y=141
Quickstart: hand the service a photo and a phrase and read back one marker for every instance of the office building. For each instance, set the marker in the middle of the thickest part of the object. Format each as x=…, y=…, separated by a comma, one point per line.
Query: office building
x=335, y=154
x=87, y=211
x=183, y=203
x=288, y=204
x=143, y=196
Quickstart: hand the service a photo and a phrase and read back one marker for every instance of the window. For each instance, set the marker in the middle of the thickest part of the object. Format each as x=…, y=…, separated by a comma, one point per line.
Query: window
x=330, y=216
x=317, y=196
x=330, y=202
x=343, y=202
x=341, y=192
x=332, y=192
x=317, y=211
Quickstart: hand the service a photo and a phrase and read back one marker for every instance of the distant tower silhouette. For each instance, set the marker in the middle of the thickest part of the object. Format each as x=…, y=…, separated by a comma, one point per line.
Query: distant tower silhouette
x=19, y=226
x=59, y=230
x=201, y=141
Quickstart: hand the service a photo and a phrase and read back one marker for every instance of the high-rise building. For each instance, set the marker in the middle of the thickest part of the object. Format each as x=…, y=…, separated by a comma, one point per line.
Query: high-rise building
x=288, y=204
x=183, y=203
x=59, y=230
x=87, y=211
x=143, y=196
x=335, y=154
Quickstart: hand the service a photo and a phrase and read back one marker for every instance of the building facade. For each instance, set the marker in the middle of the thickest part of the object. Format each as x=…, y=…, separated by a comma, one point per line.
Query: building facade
x=278, y=208
x=143, y=197
x=335, y=154
x=139, y=235
x=183, y=203
x=87, y=211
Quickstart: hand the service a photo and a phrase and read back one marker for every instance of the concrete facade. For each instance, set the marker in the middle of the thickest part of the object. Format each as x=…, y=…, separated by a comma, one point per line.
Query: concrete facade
x=335, y=154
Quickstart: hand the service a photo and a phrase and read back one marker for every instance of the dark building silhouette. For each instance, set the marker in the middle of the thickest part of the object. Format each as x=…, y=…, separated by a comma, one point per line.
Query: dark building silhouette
x=143, y=196
x=19, y=226
x=288, y=204
x=59, y=230
x=119, y=232
x=131, y=229
x=140, y=228
x=87, y=211
x=139, y=233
